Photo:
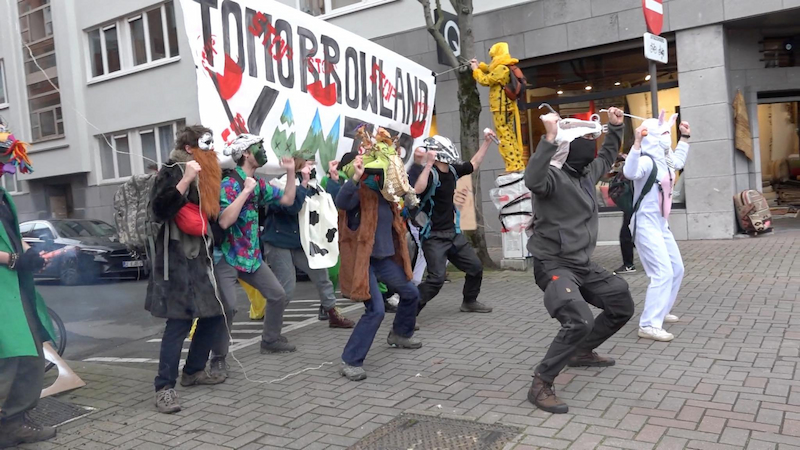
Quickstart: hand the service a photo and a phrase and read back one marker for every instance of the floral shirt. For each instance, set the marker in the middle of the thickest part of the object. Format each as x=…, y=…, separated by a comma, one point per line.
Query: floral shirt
x=240, y=247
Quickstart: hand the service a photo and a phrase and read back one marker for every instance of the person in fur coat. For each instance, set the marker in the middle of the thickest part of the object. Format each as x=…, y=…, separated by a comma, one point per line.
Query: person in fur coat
x=185, y=197
x=372, y=246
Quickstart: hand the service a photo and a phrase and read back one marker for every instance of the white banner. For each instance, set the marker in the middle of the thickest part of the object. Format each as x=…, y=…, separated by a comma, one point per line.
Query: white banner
x=303, y=84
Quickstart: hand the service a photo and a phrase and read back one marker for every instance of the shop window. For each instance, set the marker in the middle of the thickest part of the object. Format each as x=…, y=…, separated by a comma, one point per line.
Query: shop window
x=3, y=98
x=780, y=51
x=581, y=87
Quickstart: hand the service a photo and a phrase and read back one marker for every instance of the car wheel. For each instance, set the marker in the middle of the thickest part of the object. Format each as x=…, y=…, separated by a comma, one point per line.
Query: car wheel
x=70, y=275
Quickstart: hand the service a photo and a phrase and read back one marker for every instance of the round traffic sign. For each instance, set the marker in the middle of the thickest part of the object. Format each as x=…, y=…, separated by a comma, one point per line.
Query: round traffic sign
x=653, y=15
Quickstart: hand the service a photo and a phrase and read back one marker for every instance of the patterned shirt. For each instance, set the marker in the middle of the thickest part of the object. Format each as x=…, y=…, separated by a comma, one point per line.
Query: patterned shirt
x=240, y=246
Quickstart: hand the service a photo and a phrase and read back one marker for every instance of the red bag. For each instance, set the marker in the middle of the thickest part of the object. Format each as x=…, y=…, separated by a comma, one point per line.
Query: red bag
x=191, y=221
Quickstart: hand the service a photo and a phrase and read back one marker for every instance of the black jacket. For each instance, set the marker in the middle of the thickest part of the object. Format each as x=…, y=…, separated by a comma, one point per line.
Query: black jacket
x=565, y=210
x=189, y=292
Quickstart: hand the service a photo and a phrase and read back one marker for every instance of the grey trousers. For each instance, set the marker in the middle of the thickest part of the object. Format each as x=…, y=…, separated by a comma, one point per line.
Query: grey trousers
x=22, y=378
x=283, y=262
x=267, y=284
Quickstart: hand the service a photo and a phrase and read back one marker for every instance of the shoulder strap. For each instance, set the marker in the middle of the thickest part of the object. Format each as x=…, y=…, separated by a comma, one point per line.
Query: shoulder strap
x=651, y=180
x=233, y=173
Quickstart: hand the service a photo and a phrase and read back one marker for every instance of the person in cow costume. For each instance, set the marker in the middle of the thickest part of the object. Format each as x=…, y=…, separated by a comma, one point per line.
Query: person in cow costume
x=658, y=252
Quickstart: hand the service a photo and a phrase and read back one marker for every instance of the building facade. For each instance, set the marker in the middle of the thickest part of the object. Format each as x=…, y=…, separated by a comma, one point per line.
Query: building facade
x=125, y=81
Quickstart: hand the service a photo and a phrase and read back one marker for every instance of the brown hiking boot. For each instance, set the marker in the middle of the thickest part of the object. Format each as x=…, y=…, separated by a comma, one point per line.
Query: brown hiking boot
x=22, y=430
x=337, y=320
x=543, y=395
x=590, y=359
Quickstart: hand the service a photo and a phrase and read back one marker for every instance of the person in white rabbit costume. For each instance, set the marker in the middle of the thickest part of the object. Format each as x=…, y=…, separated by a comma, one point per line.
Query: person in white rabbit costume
x=658, y=252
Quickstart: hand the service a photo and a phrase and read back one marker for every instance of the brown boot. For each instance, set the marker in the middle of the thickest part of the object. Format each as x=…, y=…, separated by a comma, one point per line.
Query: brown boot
x=543, y=395
x=337, y=320
x=590, y=359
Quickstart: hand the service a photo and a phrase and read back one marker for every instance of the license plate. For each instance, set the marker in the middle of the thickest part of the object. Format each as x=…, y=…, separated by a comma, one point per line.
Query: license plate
x=132, y=263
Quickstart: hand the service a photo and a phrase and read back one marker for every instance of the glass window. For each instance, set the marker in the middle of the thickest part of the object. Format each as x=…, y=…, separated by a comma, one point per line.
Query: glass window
x=28, y=5
x=41, y=87
x=47, y=121
x=138, y=43
x=96, y=52
x=37, y=25
x=42, y=231
x=156, y=33
x=3, y=98
x=25, y=229
x=112, y=49
x=149, y=150
x=172, y=29
x=166, y=139
x=336, y=4
x=312, y=7
x=107, y=160
x=123, y=156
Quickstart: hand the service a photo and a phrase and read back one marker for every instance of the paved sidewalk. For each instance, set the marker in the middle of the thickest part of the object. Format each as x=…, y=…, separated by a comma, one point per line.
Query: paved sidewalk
x=730, y=380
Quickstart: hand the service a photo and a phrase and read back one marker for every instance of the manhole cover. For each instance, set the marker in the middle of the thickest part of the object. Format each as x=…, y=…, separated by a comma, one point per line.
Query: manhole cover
x=418, y=432
x=52, y=412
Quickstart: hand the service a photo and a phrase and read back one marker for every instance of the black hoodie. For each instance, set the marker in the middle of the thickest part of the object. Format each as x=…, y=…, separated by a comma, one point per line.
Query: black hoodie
x=565, y=211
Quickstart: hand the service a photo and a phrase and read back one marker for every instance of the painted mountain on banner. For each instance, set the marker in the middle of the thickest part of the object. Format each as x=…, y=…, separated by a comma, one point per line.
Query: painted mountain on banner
x=283, y=139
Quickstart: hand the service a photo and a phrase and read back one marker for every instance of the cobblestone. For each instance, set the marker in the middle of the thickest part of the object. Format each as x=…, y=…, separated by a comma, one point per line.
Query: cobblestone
x=726, y=381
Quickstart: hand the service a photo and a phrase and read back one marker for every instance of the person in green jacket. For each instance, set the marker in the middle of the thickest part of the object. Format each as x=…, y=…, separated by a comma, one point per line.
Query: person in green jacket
x=26, y=323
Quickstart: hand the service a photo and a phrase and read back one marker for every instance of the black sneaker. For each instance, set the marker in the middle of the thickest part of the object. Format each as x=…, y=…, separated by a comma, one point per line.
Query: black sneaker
x=278, y=346
x=219, y=367
x=475, y=307
x=623, y=269
x=323, y=315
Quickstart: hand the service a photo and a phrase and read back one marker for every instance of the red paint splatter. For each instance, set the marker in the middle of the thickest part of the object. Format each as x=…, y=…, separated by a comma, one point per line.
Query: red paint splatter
x=238, y=125
x=226, y=134
x=417, y=128
x=326, y=96
x=231, y=80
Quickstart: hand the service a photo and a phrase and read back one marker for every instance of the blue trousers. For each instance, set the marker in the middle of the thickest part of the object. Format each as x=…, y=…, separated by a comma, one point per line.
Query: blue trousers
x=394, y=277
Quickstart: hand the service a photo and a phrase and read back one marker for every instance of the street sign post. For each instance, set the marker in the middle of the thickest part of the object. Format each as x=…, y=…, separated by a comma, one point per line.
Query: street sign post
x=655, y=47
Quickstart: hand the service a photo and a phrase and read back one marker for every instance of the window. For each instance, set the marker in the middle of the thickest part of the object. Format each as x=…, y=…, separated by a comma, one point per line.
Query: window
x=3, y=98
x=42, y=231
x=325, y=7
x=25, y=229
x=11, y=184
x=148, y=37
x=44, y=100
x=104, y=50
x=137, y=151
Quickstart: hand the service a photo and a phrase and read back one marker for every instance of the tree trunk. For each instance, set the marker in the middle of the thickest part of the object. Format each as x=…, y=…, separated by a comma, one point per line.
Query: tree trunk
x=470, y=112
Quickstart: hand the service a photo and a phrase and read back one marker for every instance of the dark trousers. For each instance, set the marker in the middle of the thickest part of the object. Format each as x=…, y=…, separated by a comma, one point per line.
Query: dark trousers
x=172, y=343
x=394, y=277
x=438, y=249
x=626, y=240
x=22, y=378
x=566, y=292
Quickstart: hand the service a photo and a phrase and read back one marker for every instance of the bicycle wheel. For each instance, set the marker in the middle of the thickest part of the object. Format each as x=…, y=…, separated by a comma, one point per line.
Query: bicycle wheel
x=60, y=343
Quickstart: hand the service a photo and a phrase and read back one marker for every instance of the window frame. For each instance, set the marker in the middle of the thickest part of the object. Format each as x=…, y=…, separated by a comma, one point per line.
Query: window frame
x=19, y=188
x=125, y=44
x=331, y=13
x=4, y=103
x=135, y=149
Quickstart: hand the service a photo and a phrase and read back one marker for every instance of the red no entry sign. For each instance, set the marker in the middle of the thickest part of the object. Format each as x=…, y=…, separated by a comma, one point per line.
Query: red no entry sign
x=653, y=15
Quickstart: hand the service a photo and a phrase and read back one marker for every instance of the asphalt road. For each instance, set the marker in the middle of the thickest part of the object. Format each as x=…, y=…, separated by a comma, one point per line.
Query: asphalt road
x=108, y=319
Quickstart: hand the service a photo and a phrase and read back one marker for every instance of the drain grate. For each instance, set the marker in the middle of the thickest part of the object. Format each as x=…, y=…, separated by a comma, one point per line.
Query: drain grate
x=418, y=432
x=52, y=412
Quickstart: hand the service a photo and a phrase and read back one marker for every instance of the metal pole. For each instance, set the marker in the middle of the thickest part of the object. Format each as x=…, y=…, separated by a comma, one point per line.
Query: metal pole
x=654, y=88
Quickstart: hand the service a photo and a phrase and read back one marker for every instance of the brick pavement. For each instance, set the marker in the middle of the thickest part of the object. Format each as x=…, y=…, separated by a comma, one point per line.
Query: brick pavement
x=730, y=379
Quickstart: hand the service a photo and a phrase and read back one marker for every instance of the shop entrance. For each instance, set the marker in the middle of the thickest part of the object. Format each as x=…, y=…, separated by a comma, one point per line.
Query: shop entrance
x=779, y=139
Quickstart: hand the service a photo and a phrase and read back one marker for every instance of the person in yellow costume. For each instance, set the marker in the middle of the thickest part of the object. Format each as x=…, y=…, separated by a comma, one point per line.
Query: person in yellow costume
x=506, y=114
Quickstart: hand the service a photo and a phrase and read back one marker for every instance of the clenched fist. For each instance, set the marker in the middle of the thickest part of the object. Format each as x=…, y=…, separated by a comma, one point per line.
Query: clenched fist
x=250, y=184
x=192, y=169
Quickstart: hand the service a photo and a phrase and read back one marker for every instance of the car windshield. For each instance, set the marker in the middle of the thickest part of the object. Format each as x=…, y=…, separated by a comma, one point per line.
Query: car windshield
x=83, y=228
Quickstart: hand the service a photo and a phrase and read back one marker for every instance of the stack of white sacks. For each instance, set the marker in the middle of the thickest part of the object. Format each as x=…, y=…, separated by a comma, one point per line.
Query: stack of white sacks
x=513, y=200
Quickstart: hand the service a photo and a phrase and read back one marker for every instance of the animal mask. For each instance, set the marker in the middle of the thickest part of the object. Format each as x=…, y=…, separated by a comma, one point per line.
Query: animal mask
x=658, y=141
x=13, y=153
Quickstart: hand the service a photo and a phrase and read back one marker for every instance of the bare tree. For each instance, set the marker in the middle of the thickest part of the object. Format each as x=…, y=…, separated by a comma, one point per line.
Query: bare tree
x=468, y=100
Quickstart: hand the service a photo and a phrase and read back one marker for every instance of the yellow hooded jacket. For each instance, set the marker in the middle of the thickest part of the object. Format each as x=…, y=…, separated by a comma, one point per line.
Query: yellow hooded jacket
x=496, y=75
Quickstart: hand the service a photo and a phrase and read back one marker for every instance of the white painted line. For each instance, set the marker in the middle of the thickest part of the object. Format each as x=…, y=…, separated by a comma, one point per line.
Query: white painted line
x=123, y=360
x=607, y=243
x=189, y=340
x=654, y=6
x=292, y=327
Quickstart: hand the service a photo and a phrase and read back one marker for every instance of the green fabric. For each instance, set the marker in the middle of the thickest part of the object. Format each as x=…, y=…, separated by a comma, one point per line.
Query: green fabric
x=333, y=274
x=376, y=159
x=15, y=336
x=382, y=288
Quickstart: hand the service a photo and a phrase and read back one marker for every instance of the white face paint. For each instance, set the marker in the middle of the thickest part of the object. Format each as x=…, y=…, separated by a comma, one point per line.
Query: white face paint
x=206, y=142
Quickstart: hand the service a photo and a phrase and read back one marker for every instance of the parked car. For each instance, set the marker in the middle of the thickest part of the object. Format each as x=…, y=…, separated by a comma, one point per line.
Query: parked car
x=94, y=251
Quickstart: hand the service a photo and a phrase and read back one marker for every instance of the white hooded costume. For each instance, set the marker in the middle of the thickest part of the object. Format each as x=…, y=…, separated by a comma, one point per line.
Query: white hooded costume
x=657, y=249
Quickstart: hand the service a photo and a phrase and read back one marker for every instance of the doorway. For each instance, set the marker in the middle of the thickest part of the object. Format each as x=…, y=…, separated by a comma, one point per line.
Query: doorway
x=59, y=199
x=779, y=139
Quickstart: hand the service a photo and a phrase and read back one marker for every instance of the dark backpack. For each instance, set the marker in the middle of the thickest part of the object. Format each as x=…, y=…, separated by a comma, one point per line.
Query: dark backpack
x=517, y=83
x=621, y=191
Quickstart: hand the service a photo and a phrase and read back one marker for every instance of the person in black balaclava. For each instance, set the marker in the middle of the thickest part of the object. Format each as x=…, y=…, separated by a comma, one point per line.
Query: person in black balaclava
x=562, y=177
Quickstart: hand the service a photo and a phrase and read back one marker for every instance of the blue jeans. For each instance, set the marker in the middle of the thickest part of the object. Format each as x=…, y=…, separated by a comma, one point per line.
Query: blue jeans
x=394, y=277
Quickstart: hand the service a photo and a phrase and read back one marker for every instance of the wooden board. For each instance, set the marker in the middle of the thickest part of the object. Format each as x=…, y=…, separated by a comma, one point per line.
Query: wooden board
x=465, y=202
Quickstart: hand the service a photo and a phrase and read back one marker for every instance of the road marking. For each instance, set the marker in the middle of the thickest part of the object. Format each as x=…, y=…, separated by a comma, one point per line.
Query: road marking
x=292, y=327
x=123, y=360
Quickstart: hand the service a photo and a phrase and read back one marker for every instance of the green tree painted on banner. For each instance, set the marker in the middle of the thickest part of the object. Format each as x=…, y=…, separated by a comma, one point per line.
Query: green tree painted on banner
x=283, y=139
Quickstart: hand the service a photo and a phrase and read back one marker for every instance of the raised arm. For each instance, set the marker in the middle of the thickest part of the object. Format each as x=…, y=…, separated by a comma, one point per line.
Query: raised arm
x=499, y=75
x=232, y=201
x=608, y=153
x=348, y=198
x=636, y=168
x=478, y=158
x=682, y=150
x=537, y=175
